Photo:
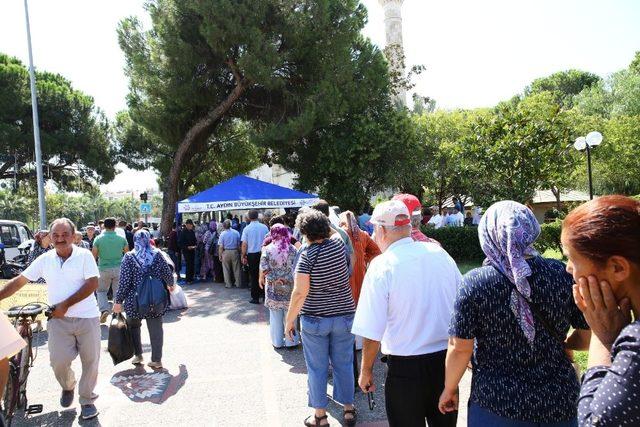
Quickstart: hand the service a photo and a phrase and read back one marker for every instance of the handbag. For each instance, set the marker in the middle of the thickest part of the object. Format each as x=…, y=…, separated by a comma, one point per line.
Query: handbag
x=178, y=299
x=120, y=344
x=152, y=297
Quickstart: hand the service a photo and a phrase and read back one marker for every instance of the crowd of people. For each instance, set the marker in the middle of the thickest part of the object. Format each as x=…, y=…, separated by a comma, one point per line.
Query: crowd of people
x=375, y=283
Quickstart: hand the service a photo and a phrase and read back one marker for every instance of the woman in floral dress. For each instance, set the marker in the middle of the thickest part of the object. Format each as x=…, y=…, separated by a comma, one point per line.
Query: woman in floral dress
x=276, y=278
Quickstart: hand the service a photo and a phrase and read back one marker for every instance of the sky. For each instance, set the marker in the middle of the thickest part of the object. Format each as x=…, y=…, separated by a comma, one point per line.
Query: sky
x=476, y=53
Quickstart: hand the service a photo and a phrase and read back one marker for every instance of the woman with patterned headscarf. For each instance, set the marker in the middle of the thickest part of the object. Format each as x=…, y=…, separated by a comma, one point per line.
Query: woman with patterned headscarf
x=276, y=278
x=144, y=259
x=513, y=315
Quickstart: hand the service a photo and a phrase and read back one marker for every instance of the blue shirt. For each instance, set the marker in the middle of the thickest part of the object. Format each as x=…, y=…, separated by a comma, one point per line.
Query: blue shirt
x=229, y=239
x=253, y=234
x=512, y=379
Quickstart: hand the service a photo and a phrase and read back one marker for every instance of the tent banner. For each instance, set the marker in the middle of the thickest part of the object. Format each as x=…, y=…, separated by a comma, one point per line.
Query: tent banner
x=185, y=207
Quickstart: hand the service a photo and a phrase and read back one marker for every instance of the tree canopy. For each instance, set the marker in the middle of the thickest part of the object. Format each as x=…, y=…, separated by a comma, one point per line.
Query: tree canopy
x=285, y=65
x=74, y=134
x=564, y=85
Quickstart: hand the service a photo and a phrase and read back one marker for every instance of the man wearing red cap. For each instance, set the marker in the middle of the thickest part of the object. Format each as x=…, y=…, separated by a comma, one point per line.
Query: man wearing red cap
x=415, y=210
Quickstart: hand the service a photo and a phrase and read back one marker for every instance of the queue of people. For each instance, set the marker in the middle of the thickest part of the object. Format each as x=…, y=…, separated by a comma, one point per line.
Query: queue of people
x=515, y=321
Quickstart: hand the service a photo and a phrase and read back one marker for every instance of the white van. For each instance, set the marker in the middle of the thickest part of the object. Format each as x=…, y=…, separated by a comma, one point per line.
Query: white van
x=12, y=235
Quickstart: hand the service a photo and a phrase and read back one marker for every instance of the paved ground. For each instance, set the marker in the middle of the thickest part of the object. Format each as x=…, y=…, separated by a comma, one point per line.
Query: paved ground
x=221, y=370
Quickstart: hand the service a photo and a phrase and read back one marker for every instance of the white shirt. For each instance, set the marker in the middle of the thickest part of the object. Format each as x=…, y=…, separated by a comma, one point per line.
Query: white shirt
x=407, y=298
x=456, y=219
x=65, y=279
x=436, y=220
x=120, y=232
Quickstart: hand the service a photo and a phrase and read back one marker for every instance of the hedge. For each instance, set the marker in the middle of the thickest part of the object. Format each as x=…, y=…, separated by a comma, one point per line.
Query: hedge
x=463, y=244
x=549, y=237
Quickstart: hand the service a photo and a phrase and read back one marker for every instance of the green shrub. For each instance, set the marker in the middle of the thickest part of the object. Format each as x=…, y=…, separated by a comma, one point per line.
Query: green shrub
x=549, y=237
x=462, y=243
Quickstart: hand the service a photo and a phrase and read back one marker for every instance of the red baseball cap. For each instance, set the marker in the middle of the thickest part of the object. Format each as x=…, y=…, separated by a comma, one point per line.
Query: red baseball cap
x=411, y=202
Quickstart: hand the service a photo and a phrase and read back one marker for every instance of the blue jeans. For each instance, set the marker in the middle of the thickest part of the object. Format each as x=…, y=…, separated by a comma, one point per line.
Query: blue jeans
x=480, y=417
x=276, y=329
x=324, y=339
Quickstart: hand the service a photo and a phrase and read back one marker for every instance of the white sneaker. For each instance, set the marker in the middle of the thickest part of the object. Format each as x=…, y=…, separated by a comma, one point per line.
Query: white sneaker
x=137, y=360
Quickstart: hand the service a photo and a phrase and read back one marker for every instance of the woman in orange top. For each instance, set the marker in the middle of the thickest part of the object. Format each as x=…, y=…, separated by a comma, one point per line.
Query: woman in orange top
x=364, y=247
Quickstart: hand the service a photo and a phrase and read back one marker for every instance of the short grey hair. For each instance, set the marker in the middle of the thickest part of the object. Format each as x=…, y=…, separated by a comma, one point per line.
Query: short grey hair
x=65, y=221
x=226, y=224
x=416, y=220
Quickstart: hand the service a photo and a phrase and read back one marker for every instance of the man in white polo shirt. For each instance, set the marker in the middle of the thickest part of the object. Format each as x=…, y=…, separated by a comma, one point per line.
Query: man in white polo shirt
x=71, y=275
x=406, y=303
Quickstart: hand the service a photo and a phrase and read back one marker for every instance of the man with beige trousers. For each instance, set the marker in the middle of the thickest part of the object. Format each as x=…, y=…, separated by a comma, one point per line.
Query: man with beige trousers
x=71, y=275
x=229, y=253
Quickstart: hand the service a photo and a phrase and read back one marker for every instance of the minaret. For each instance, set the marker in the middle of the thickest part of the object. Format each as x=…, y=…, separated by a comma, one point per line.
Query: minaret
x=394, y=48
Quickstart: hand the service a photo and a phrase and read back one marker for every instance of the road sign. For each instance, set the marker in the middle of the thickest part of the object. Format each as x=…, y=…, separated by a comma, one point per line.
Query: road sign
x=145, y=208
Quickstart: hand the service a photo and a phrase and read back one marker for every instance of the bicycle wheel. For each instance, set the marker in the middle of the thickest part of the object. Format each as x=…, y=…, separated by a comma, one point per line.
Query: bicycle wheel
x=10, y=395
x=22, y=360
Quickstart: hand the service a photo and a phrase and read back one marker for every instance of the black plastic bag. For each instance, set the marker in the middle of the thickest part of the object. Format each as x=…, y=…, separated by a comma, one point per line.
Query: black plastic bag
x=120, y=343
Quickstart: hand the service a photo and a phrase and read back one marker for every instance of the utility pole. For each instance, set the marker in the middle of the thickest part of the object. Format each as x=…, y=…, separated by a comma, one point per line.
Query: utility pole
x=36, y=127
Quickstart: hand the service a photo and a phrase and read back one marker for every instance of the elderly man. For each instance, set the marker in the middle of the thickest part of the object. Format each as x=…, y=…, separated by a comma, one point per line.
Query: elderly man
x=79, y=242
x=71, y=275
x=229, y=253
x=91, y=235
x=406, y=302
x=252, y=238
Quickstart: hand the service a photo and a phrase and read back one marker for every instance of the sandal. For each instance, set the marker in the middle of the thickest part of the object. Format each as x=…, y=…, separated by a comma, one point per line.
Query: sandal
x=317, y=421
x=350, y=422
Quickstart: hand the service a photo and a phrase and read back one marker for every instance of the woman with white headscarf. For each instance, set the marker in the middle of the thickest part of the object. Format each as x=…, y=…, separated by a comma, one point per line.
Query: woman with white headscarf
x=513, y=315
x=144, y=259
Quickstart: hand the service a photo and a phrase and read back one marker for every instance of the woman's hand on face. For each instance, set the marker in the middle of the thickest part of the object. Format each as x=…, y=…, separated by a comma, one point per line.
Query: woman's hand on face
x=605, y=315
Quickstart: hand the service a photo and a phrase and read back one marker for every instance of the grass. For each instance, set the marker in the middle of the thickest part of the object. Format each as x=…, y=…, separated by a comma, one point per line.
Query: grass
x=465, y=266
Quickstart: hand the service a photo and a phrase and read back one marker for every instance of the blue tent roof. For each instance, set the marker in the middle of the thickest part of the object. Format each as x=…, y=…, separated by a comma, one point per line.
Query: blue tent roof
x=242, y=192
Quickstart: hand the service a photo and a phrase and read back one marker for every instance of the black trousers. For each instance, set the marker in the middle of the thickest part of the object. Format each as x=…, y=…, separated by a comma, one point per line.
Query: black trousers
x=156, y=335
x=189, y=259
x=412, y=390
x=254, y=271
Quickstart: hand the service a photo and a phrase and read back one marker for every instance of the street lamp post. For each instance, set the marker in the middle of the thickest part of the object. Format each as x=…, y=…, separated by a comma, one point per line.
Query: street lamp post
x=36, y=126
x=592, y=139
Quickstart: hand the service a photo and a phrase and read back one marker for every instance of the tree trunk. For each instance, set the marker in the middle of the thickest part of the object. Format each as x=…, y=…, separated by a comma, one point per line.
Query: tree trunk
x=202, y=129
x=556, y=192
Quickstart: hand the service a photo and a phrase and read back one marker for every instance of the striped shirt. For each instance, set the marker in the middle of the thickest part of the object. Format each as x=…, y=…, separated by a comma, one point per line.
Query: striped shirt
x=329, y=291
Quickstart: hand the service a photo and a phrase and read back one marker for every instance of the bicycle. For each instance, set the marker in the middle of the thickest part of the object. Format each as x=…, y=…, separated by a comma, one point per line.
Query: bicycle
x=15, y=396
